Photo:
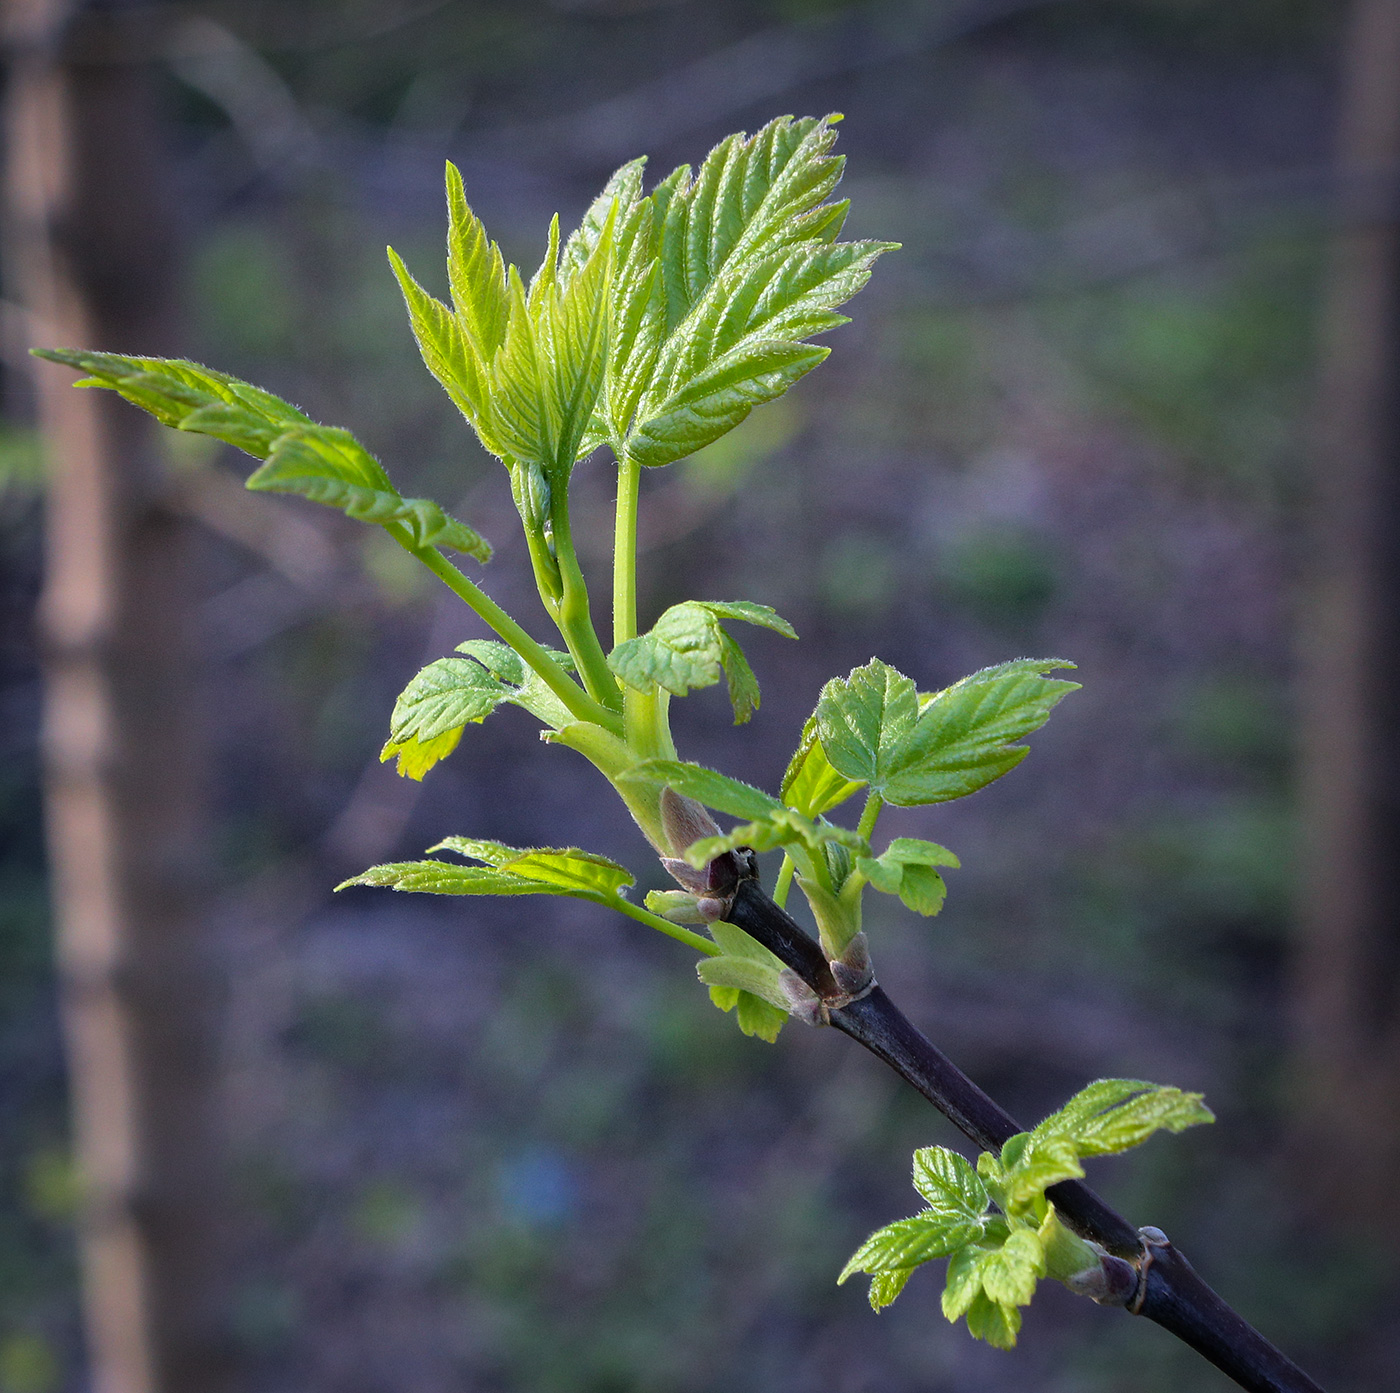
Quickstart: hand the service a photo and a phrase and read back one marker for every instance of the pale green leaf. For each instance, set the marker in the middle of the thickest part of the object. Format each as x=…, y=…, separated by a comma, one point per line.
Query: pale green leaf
x=1042, y=1162
x=963, y=1284
x=445, y=695
x=448, y=353
x=744, y=975
x=188, y=396
x=322, y=463
x=328, y=465
x=758, y=1017
x=948, y=1182
x=810, y=785
x=565, y=871
x=745, y=268
x=415, y=757
x=737, y=944
x=476, y=273
x=444, y=878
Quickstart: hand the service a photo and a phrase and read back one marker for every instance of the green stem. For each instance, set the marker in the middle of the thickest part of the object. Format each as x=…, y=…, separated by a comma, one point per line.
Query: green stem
x=784, y=881
x=574, y=618
x=866, y=827
x=629, y=475
x=655, y=921
x=554, y=677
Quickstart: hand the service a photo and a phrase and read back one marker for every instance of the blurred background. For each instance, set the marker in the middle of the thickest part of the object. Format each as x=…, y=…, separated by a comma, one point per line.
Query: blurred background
x=1123, y=397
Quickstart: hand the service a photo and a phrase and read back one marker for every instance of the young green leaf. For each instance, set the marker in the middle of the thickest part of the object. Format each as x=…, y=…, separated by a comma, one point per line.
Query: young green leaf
x=444, y=697
x=322, y=463
x=905, y=868
x=507, y=871
x=910, y=1242
x=744, y=267
x=988, y=1320
x=188, y=396
x=810, y=785
x=415, y=757
x=864, y=721
x=885, y=1286
x=688, y=647
x=1044, y=1162
x=963, y=738
x=948, y=1182
x=912, y=749
x=1113, y=1115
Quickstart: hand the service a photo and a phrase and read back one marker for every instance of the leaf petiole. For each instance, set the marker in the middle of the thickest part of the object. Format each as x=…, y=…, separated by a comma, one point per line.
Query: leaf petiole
x=676, y=931
x=580, y=703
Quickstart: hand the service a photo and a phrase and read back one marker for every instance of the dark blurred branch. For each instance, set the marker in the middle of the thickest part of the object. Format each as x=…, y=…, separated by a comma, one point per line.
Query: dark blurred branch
x=1169, y=1291
x=91, y=254
x=1347, y=981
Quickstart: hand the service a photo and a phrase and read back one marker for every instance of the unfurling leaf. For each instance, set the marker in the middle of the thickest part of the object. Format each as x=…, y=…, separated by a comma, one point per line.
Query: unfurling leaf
x=810, y=785
x=322, y=463
x=948, y=1182
x=688, y=647
x=905, y=868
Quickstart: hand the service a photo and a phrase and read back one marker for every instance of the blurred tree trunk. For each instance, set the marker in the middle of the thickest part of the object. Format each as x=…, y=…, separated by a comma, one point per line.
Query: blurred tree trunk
x=1348, y=983
x=91, y=259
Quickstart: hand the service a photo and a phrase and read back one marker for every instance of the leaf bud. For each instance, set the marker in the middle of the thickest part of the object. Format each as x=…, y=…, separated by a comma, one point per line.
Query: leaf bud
x=1111, y=1281
x=803, y=1003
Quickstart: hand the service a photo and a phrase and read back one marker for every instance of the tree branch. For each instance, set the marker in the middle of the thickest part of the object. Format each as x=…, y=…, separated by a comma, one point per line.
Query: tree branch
x=1168, y=1290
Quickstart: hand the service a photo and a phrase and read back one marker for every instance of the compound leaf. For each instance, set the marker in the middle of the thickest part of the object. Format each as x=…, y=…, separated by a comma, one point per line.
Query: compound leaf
x=322, y=463
x=962, y=739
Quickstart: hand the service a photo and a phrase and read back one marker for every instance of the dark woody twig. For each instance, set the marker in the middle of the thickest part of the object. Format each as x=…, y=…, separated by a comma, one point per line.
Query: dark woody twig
x=1162, y=1285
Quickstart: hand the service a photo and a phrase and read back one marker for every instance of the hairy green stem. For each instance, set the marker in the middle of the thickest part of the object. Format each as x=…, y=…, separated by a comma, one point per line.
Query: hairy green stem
x=629, y=476
x=655, y=921
x=554, y=677
x=866, y=826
